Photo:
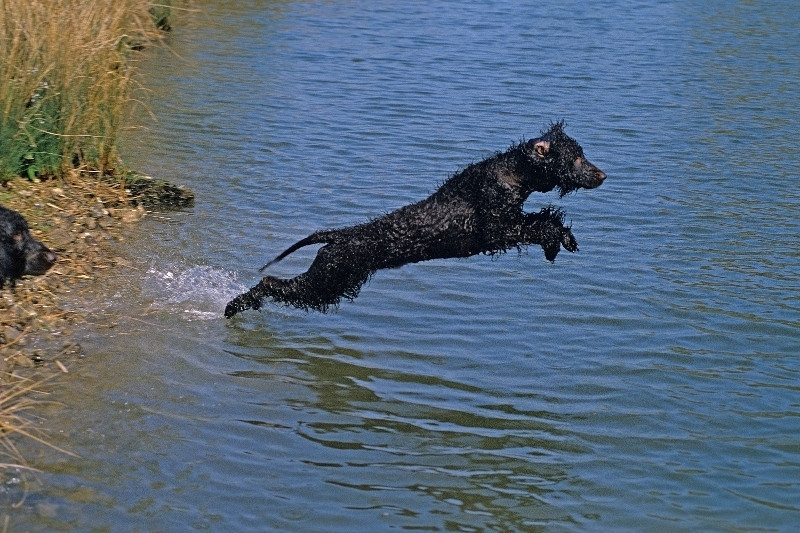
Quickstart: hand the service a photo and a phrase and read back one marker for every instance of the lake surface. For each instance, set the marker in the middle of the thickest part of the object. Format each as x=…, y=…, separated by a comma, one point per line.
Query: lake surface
x=649, y=382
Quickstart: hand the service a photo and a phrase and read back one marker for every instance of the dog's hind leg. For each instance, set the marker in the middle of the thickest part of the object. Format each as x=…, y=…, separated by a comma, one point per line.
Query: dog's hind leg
x=335, y=274
x=302, y=291
x=338, y=271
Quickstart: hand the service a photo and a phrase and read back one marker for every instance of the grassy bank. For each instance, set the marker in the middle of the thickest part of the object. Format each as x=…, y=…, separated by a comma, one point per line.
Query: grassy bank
x=67, y=86
x=67, y=81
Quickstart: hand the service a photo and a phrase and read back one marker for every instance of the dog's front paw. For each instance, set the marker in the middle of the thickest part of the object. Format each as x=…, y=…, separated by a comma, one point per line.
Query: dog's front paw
x=568, y=240
x=551, y=250
x=555, y=239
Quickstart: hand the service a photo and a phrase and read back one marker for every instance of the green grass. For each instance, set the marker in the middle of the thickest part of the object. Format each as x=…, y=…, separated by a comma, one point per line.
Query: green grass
x=67, y=79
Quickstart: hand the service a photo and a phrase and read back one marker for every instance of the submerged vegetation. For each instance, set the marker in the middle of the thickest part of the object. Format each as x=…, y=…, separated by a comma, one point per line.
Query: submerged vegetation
x=15, y=404
x=67, y=81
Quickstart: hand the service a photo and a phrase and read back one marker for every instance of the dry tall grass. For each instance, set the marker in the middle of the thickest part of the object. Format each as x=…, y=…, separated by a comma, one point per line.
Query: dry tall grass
x=66, y=82
x=15, y=405
x=66, y=78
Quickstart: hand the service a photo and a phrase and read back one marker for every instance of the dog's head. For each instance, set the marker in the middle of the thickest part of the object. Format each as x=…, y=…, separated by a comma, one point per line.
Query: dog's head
x=20, y=253
x=559, y=162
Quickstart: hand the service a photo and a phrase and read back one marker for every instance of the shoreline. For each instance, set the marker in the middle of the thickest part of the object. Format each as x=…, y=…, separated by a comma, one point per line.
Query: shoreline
x=80, y=218
x=66, y=97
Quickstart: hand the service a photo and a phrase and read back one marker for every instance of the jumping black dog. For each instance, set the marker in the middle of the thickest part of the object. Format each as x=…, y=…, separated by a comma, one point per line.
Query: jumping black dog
x=478, y=210
x=20, y=254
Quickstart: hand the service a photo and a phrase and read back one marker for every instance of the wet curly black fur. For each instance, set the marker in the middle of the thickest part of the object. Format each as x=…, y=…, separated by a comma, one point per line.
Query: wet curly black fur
x=478, y=210
x=20, y=253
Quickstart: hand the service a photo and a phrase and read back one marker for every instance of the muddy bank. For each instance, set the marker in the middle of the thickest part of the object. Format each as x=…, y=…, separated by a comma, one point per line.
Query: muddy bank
x=78, y=217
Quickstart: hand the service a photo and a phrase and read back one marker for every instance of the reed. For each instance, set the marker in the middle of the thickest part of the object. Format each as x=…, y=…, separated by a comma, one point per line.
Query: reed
x=67, y=79
x=16, y=405
x=67, y=75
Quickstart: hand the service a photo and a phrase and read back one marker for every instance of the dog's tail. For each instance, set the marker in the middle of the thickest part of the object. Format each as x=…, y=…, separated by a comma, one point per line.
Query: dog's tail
x=315, y=238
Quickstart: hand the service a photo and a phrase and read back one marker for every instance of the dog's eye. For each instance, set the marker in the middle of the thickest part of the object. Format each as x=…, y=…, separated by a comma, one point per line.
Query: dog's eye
x=18, y=236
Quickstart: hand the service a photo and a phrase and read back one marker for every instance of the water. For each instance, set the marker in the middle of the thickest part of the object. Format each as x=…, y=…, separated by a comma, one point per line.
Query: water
x=647, y=383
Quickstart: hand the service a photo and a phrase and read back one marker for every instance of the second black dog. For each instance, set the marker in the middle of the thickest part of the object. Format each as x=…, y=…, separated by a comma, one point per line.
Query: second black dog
x=20, y=253
x=478, y=210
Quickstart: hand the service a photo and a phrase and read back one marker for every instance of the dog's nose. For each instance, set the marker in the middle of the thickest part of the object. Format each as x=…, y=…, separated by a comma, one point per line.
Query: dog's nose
x=597, y=175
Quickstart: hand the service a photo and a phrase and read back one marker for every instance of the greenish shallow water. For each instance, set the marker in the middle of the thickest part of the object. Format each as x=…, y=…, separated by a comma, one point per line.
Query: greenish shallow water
x=647, y=383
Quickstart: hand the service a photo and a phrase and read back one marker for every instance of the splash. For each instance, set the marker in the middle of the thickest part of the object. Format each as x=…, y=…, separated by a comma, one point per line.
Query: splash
x=199, y=292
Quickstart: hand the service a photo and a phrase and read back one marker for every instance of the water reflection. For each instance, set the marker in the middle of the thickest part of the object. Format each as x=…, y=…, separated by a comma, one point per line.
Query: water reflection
x=419, y=437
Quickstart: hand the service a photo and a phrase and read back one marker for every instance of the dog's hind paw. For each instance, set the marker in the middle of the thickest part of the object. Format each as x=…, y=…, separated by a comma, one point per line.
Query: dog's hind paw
x=233, y=307
x=241, y=303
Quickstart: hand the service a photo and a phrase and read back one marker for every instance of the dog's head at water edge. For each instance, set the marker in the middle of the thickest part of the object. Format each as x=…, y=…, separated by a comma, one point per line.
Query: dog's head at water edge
x=563, y=162
x=20, y=253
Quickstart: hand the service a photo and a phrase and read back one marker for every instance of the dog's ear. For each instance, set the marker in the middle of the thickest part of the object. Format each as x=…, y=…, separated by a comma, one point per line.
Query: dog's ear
x=541, y=148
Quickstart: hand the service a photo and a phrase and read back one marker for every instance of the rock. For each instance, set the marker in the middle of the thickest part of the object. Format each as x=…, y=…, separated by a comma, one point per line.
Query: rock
x=151, y=192
x=46, y=510
x=60, y=238
x=64, y=219
x=90, y=223
x=98, y=211
x=23, y=361
x=11, y=333
x=129, y=215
